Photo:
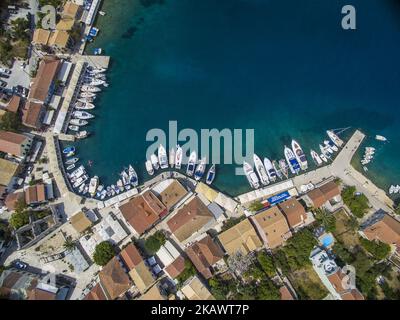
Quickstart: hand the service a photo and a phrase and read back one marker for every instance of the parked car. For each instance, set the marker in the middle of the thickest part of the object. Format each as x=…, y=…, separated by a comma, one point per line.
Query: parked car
x=3, y=83
x=4, y=70
x=4, y=75
x=20, y=265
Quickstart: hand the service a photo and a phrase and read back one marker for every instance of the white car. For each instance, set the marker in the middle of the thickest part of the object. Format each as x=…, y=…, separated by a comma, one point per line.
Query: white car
x=4, y=70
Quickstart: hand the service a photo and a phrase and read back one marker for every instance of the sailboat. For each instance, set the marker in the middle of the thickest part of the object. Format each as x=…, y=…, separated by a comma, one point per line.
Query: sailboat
x=162, y=157
x=211, y=175
x=270, y=169
x=149, y=167
x=200, y=169
x=300, y=156
x=154, y=161
x=172, y=157
x=262, y=173
x=191, y=164
x=178, y=157
x=250, y=175
x=291, y=161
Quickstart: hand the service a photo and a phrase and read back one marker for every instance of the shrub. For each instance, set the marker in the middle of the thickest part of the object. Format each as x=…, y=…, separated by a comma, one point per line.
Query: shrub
x=358, y=204
x=103, y=253
x=19, y=219
x=267, y=264
x=378, y=249
x=188, y=272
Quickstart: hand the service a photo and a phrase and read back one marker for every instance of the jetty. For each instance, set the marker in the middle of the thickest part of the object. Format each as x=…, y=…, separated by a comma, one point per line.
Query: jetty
x=340, y=168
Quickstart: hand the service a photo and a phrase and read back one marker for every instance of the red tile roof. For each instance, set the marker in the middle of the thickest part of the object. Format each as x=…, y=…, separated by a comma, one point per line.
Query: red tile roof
x=12, y=199
x=14, y=104
x=131, y=256
x=11, y=142
x=113, y=279
x=176, y=267
x=96, y=293
x=294, y=212
x=32, y=115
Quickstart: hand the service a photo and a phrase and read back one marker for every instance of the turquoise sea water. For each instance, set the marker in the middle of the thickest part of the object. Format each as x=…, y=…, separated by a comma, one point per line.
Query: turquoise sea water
x=284, y=68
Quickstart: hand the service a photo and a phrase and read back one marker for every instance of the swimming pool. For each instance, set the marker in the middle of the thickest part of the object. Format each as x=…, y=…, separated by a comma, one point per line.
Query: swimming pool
x=327, y=240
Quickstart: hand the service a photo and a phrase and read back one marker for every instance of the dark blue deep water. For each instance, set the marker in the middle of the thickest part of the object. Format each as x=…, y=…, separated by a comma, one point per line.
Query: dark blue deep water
x=283, y=67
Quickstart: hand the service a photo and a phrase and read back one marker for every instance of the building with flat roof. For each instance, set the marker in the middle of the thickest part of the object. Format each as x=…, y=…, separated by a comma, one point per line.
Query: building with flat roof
x=8, y=172
x=194, y=289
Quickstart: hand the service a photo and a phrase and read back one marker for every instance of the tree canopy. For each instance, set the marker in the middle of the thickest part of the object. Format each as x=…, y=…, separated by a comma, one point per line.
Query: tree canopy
x=103, y=253
x=154, y=242
x=378, y=249
x=358, y=204
x=10, y=121
x=267, y=263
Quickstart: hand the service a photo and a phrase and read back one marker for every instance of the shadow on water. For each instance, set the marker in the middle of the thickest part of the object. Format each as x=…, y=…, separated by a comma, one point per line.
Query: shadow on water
x=129, y=33
x=149, y=3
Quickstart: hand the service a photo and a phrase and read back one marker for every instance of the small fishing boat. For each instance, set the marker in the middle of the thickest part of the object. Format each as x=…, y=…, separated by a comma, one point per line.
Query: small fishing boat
x=178, y=157
x=81, y=188
x=78, y=122
x=93, y=184
x=154, y=161
x=191, y=163
x=133, y=177
x=277, y=169
x=149, y=167
x=316, y=158
x=172, y=157
x=334, y=138
x=95, y=82
x=82, y=134
x=82, y=115
x=262, y=173
x=86, y=100
x=120, y=185
x=84, y=106
x=284, y=168
x=200, y=169
x=270, y=169
x=250, y=175
x=69, y=149
x=325, y=151
x=300, y=156
x=381, y=138
x=211, y=175
x=72, y=161
x=70, y=167
x=73, y=128
x=97, y=70
x=87, y=95
x=125, y=178
x=102, y=13
x=162, y=157
x=291, y=161
x=331, y=145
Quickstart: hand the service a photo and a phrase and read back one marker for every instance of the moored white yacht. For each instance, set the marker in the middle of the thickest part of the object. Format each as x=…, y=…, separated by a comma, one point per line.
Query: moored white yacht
x=262, y=173
x=178, y=157
x=82, y=115
x=211, y=175
x=149, y=167
x=154, y=161
x=251, y=175
x=277, y=169
x=334, y=138
x=87, y=88
x=162, y=157
x=172, y=157
x=93, y=184
x=200, y=169
x=300, y=156
x=291, y=161
x=284, y=168
x=316, y=158
x=270, y=169
x=133, y=177
x=191, y=163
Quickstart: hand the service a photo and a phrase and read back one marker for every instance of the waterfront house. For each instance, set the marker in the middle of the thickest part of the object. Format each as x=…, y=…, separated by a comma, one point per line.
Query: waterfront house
x=326, y=196
x=272, y=227
x=40, y=38
x=113, y=280
x=35, y=195
x=8, y=172
x=171, y=193
x=206, y=256
x=69, y=16
x=295, y=214
x=143, y=211
x=33, y=115
x=384, y=228
x=194, y=289
x=241, y=237
x=137, y=269
x=15, y=144
x=190, y=220
x=81, y=222
x=44, y=83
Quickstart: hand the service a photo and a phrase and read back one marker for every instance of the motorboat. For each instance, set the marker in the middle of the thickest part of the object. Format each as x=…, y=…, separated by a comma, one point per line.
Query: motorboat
x=291, y=161
x=149, y=167
x=87, y=95
x=325, y=151
x=120, y=186
x=84, y=106
x=331, y=145
x=323, y=157
x=133, y=177
x=191, y=163
x=95, y=82
x=250, y=175
x=73, y=128
x=211, y=175
x=125, y=178
x=162, y=157
x=70, y=167
x=300, y=156
x=277, y=169
x=172, y=157
x=97, y=70
x=334, y=138
x=381, y=138
x=93, y=184
x=178, y=157
x=200, y=169
x=270, y=170
x=82, y=115
x=316, y=158
x=86, y=100
x=284, y=168
x=72, y=161
x=87, y=88
x=68, y=149
x=154, y=161
x=82, y=134
x=78, y=122
x=262, y=173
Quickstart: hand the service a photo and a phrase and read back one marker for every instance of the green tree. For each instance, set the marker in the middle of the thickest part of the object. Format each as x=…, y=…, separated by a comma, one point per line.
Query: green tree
x=267, y=263
x=358, y=204
x=397, y=210
x=5, y=232
x=154, y=242
x=187, y=272
x=19, y=219
x=326, y=219
x=232, y=222
x=6, y=54
x=103, y=253
x=69, y=245
x=378, y=249
x=20, y=28
x=10, y=121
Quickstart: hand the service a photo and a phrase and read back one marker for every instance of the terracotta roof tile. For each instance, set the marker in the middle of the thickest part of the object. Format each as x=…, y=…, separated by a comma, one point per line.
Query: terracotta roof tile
x=113, y=279
x=11, y=142
x=294, y=212
x=32, y=115
x=131, y=256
